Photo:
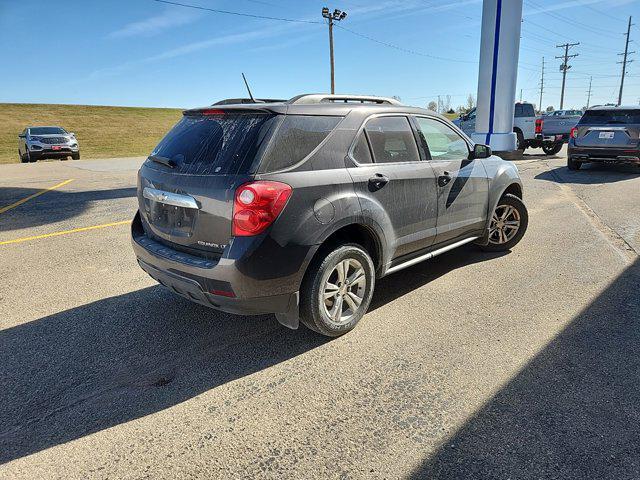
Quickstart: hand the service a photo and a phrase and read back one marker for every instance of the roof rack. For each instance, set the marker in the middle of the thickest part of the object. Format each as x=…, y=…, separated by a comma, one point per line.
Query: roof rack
x=312, y=98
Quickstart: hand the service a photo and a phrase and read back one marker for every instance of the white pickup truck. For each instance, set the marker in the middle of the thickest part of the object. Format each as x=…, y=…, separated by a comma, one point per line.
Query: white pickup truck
x=524, y=125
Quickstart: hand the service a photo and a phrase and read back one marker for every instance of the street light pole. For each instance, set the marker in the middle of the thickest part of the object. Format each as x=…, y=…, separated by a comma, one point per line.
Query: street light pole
x=331, y=17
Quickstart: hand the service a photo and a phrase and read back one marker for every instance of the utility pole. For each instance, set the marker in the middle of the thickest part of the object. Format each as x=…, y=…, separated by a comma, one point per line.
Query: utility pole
x=541, y=86
x=625, y=61
x=520, y=95
x=589, y=92
x=565, y=66
x=335, y=16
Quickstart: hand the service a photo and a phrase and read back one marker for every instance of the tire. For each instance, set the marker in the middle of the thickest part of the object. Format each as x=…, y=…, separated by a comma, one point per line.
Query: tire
x=75, y=156
x=521, y=146
x=551, y=149
x=315, y=310
x=23, y=158
x=500, y=242
x=573, y=165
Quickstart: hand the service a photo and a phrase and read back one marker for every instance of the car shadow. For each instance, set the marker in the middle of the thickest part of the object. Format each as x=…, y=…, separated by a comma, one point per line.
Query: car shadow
x=92, y=367
x=590, y=174
x=571, y=412
x=53, y=206
x=399, y=284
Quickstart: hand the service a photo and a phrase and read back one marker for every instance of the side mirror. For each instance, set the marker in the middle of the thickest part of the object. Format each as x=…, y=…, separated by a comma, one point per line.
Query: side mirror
x=22, y=135
x=464, y=118
x=481, y=151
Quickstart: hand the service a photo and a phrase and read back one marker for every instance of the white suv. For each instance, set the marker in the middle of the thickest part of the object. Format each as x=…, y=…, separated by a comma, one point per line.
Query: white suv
x=524, y=124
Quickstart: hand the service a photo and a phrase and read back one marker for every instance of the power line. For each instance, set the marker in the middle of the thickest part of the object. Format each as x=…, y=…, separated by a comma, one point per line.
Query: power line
x=625, y=60
x=402, y=49
x=564, y=67
x=571, y=21
x=239, y=14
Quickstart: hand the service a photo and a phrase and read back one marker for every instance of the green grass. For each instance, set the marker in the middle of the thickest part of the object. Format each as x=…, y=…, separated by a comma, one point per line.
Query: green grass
x=102, y=132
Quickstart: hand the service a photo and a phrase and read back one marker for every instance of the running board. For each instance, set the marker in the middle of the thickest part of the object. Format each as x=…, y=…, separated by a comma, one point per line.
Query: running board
x=429, y=255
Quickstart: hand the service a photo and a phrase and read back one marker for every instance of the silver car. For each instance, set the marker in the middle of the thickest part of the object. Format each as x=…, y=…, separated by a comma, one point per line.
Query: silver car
x=35, y=143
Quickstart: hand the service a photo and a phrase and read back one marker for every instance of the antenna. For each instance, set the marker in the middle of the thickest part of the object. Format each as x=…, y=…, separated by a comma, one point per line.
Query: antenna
x=248, y=89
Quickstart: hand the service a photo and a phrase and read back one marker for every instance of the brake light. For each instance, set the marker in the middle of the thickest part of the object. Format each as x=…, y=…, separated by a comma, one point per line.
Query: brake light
x=213, y=111
x=574, y=132
x=256, y=206
x=539, y=123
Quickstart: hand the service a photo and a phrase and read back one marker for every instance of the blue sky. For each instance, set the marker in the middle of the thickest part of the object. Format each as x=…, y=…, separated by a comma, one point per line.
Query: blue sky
x=145, y=53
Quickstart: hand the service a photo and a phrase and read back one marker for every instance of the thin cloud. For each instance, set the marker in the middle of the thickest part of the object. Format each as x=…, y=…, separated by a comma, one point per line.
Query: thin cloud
x=156, y=24
x=195, y=47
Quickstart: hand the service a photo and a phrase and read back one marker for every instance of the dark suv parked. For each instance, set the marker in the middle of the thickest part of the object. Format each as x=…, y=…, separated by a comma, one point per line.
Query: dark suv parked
x=605, y=135
x=297, y=207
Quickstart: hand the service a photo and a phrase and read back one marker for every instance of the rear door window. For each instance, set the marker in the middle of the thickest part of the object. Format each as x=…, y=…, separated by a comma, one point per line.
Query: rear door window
x=611, y=117
x=220, y=144
x=296, y=138
x=392, y=140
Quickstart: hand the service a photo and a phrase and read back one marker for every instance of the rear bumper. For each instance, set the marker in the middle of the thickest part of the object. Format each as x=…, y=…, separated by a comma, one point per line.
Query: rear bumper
x=218, y=284
x=603, y=155
x=553, y=138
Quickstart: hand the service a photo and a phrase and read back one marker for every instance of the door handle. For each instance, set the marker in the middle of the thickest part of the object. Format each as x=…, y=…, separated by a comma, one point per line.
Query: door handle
x=378, y=181
x=444, y=179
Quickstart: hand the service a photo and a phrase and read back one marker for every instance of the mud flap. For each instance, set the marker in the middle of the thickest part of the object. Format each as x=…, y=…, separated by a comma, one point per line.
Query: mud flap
x=291, y=318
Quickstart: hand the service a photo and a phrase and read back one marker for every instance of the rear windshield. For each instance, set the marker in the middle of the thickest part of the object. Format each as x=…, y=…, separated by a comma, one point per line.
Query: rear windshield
x=216, y=144
x=611, y=117
x=296, y=138
x=47, y=131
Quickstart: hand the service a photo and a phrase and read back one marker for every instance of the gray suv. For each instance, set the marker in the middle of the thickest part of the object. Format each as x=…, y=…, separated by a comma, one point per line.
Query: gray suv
x=35, y=143
x=605, y=135
x=298, y=207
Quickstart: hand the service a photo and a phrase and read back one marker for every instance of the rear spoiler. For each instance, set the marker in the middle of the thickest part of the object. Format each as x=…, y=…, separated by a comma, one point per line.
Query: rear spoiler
x=222, y=110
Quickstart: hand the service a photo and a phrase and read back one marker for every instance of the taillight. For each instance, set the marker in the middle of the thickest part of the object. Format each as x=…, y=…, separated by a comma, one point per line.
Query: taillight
x=539, y=123
x=256, y=205
x=574, y=132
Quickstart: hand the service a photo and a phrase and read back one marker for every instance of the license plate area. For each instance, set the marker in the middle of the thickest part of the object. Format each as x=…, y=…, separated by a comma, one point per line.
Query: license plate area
x=56, y=147
x=170, y=219
x=606, y=135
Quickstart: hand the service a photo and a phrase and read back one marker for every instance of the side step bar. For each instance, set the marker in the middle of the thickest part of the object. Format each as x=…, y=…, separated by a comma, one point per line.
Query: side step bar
x=429, y=255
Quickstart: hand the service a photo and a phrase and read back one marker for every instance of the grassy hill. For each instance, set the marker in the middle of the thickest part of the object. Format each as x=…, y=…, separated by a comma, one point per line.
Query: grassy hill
x=101, y=131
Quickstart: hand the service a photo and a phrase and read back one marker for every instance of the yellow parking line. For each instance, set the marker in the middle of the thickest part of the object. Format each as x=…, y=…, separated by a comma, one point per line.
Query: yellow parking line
x=37, y=194
x=64, y=232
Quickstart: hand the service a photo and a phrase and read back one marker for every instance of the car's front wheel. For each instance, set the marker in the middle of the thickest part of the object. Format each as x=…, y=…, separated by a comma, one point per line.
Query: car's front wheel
x=75, y=156
x=337, y=291
x=508, y=224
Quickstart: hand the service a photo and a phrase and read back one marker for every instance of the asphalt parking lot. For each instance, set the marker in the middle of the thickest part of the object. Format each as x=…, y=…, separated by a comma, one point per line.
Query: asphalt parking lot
x=471, y=365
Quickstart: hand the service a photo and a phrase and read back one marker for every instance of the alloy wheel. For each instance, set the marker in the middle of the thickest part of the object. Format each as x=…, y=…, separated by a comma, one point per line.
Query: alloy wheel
x=343, y=291
x=505, y=224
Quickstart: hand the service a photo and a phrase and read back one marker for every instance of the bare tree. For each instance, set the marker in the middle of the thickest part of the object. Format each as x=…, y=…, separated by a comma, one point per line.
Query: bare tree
x=433, y=106
x=471, y=102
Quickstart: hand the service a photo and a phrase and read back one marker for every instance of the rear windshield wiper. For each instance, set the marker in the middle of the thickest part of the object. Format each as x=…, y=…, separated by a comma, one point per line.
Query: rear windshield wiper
x=163, y=160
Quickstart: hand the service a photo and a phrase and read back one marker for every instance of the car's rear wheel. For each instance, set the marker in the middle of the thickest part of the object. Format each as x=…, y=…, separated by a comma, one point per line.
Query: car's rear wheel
x=508, y=224
x=572, y=164
x=521, y=147
x=551, y=148
x=337, y=291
